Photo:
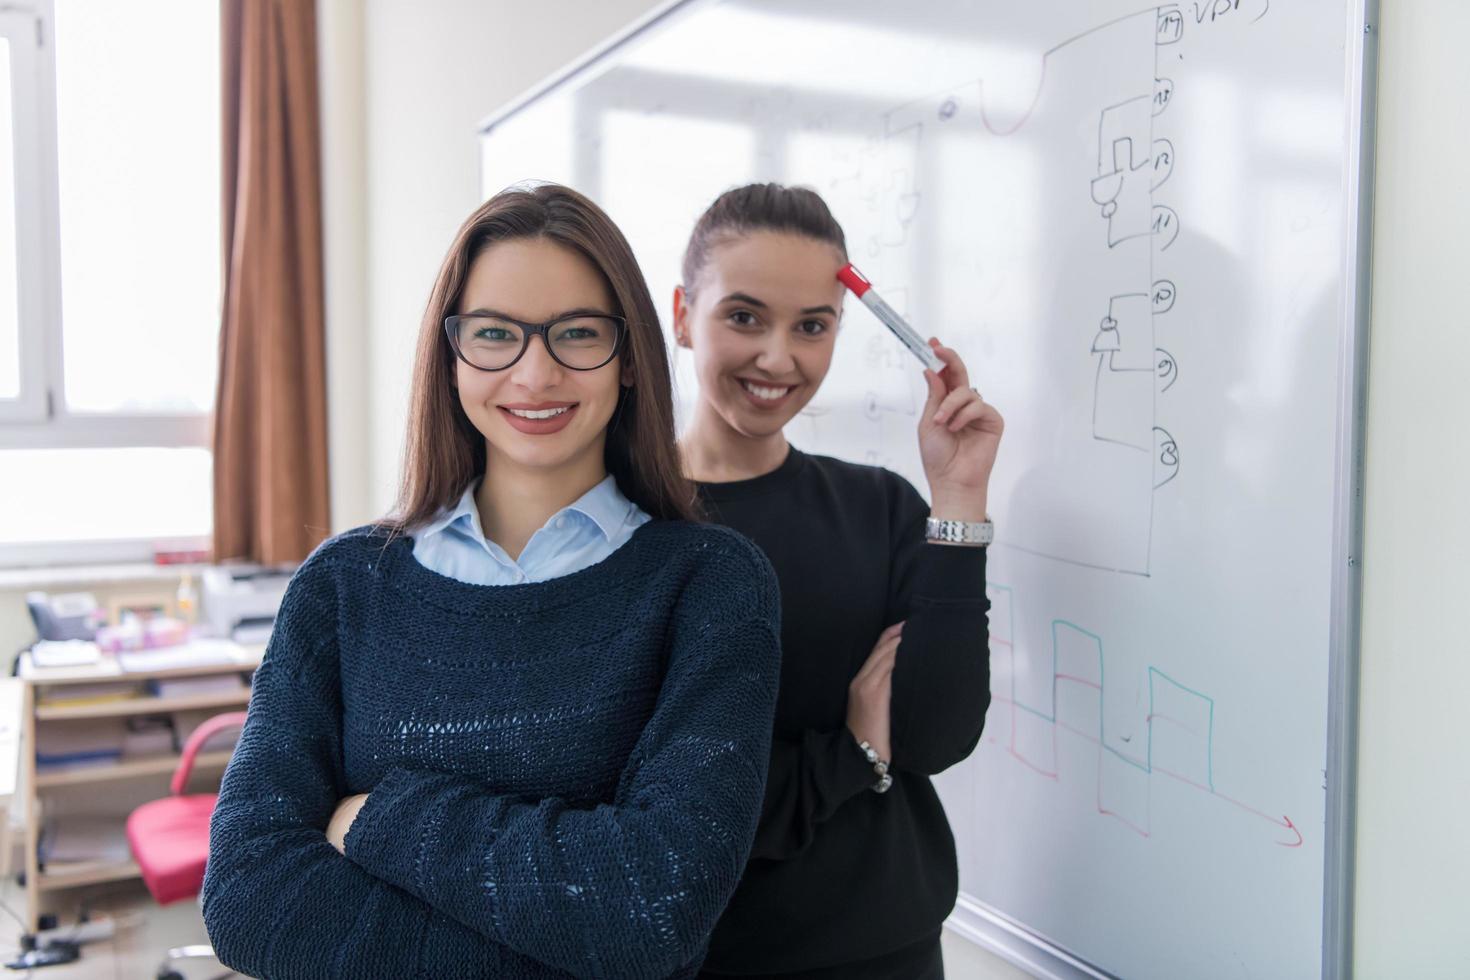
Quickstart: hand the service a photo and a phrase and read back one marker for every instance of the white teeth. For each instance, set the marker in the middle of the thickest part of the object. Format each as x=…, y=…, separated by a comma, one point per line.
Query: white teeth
x=542, y=413
x=767, y=394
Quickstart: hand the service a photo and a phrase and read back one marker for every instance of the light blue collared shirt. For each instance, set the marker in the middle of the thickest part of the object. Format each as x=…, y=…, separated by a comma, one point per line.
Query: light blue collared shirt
x=579, y=535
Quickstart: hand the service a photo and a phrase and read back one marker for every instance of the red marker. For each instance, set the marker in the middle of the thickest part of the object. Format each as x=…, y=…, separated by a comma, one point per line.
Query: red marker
x=863, y=290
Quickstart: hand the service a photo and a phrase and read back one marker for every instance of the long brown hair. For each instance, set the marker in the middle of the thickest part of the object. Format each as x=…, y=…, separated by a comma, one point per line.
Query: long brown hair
x=444, y=451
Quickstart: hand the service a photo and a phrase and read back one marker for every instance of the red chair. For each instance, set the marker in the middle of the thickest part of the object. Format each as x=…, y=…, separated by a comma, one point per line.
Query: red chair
x=170, y=837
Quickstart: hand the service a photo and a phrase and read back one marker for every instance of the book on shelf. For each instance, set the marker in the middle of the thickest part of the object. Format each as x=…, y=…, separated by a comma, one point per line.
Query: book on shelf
x=70, y=746
x=148, y=737
x=78, y=695
x=78, y=760
x=189, y=687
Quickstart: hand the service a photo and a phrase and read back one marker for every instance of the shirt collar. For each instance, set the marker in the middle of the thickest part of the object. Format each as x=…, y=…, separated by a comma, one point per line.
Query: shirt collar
x=463, y=513
x=604, y=505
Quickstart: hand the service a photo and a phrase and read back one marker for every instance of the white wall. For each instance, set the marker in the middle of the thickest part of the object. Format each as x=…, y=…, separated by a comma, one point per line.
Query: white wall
x=1413, y=869
x=430, y=71
x=434, y=70
x=340, y=25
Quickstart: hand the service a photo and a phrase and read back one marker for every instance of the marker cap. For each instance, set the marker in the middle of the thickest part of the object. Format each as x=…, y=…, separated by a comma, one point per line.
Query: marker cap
x=854, y=280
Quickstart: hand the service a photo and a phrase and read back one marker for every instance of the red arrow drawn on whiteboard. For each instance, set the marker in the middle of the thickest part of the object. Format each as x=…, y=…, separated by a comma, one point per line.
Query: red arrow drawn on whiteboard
x=1292, y=827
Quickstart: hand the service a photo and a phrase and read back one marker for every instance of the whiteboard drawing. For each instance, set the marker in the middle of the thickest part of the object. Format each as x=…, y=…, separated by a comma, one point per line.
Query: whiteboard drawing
x=1041, y=698
x=1123, y=218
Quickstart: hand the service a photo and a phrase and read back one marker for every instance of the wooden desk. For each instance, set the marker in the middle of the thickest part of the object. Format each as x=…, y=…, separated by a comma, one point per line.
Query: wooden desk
x=31, y=687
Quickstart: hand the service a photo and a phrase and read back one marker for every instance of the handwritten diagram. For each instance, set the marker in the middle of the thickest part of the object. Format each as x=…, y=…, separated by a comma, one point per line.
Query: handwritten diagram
x=1108, y=373
x=1172, y=736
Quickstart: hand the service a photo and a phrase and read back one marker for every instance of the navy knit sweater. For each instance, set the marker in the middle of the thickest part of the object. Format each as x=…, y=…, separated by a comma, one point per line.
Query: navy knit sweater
x=563, y=777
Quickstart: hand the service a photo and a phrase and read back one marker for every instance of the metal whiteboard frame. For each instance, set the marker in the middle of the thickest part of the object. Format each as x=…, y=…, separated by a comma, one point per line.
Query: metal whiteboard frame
x=1345, y=631
x=992, y=929
x=579, y=66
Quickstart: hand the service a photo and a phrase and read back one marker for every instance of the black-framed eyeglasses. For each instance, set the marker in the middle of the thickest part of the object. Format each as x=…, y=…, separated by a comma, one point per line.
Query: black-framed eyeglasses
x=493, y=342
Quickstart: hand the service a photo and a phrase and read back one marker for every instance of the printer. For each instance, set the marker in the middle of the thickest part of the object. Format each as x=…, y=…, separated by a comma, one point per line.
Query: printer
x=241, y=601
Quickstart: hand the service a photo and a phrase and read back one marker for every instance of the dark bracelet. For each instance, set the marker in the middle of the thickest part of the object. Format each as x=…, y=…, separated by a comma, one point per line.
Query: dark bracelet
x=880, y=766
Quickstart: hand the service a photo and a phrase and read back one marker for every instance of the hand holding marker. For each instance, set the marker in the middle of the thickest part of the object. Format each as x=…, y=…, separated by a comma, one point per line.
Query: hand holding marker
x=863, y=290
x=959, y=433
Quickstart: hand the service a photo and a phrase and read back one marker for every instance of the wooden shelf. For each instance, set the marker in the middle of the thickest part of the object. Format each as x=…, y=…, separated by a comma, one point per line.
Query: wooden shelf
x=94, y=785
x=92, y=874
x=108, y=772
x=141, y=706
x=60, y=677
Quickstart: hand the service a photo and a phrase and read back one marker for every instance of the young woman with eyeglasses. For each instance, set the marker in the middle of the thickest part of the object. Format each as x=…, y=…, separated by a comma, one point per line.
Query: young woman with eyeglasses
x=520, y=729
x=885, y=660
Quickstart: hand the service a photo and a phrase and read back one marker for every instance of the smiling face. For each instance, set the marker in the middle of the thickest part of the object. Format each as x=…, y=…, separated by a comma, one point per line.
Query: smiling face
x=762, y=321
x=538, y=414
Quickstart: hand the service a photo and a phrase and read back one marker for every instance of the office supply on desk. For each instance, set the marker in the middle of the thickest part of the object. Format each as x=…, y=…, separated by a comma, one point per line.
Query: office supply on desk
x=65, y=653
x=133, y=633
x=1143, y=226
x=125, y=635
x=198, y=652
x=186, y=599
x=103, y=666
x=65, y=616
x=164, y=631
x=139, y=608
x=240, y=602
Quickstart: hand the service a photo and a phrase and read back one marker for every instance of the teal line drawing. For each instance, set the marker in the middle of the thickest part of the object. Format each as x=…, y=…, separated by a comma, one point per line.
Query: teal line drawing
x=1156, y=679
x=1209, y=734
x=1056, y=675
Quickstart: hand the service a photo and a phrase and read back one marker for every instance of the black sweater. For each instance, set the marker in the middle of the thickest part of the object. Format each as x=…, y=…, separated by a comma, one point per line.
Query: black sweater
x=840, y=874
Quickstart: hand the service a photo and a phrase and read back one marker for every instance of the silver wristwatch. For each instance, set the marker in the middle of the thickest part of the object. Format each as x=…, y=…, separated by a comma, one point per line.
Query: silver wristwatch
x=975, y=534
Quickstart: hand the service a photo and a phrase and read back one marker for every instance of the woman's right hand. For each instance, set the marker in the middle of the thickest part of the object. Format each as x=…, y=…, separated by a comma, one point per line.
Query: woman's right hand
x=870, y=692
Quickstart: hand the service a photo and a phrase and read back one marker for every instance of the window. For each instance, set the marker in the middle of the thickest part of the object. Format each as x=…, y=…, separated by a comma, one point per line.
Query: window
x=9, y=314
x=109, y=276
x=22, y=244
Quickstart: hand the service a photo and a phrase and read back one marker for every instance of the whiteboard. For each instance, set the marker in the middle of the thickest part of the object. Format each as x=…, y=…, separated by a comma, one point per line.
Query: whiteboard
x=1143, y=229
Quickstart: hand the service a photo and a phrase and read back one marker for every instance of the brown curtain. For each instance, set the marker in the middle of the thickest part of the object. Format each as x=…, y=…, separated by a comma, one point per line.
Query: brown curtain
x=270, y=430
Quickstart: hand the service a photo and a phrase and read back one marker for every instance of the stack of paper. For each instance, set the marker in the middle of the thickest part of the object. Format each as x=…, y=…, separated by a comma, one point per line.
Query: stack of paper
x=64, y=653
x=195, y=653
x=83, y=840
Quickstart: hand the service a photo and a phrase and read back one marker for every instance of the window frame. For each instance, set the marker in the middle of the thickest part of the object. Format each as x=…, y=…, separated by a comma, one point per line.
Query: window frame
x=40, y=418
x=23, y=28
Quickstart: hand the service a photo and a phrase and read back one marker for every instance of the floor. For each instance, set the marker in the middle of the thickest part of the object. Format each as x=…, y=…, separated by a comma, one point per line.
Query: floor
x=145, y=931
x=143, y=934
